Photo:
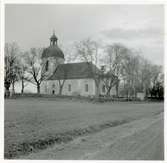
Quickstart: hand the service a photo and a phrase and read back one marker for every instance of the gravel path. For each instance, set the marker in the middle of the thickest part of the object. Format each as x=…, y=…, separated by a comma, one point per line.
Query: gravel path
x=138, y=140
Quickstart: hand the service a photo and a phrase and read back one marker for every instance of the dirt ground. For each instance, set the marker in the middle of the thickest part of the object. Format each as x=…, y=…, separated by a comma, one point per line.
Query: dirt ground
x=112, y=131
x=139, y=140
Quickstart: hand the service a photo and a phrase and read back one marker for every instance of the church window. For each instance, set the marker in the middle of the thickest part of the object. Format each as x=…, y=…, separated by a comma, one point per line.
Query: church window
x=47, y=65
x=69, y=87
x=53, y=85
x=103, y=88
x=86, y=88
x=45, y=88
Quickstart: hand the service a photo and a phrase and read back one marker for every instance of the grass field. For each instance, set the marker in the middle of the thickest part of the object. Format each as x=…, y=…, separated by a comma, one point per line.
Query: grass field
x=32, y=120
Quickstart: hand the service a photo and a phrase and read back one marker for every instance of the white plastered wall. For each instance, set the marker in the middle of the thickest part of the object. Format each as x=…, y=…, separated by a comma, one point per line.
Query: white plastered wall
x=77, y=87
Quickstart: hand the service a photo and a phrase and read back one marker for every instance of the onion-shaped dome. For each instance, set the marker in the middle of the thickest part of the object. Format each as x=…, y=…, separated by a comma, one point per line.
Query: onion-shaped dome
x=53, y=50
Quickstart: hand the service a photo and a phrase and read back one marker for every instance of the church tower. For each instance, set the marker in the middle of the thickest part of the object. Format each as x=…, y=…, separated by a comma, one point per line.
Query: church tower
x=52, y=56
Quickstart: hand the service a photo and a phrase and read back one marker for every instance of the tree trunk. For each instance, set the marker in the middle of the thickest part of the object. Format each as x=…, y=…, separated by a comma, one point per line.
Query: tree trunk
x=135, y=94
x=7, y=92
x=22, y=86
x=108, y=92
x=13, y=88
x=127, y=94
x=97, y=91
x=61, y=86
x=145, y=92
x=117, y=86
x=97, y=83
x=38, y=88
x=60, y=89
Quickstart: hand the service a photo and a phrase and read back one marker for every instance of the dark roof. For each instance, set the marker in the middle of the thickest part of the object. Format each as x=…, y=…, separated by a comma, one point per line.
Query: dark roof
x=74, y=71
x=53, y=51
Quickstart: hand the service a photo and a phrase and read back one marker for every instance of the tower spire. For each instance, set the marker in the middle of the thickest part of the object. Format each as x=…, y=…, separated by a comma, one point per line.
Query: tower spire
x=53, y=39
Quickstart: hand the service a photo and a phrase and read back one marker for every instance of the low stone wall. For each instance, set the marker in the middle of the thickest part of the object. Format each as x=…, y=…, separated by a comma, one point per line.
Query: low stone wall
x=100, y=99
x=50, y=97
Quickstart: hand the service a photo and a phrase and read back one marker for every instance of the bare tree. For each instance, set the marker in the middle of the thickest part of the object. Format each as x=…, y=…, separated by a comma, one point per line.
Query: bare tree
x=149, y=75
x=156, y=72
x=130, y=72
x=23, y=77
x=11, y=66
x=146, y=75
x=113, y=61
x=69, y=52
x=109, y=80
x=139, y=73
x=36, y=70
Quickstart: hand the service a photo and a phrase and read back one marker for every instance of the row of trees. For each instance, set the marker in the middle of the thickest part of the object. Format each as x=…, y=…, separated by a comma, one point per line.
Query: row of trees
x=24, y=67
x=119, y=66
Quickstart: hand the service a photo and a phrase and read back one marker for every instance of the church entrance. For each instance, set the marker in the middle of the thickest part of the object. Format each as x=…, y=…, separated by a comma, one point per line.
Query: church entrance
x=53, y=92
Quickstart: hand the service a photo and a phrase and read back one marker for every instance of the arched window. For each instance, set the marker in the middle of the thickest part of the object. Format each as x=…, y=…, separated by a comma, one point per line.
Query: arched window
x=69, y=87
x=86, y=88
x=45, y=88
x=47, y=65
x=53, y=85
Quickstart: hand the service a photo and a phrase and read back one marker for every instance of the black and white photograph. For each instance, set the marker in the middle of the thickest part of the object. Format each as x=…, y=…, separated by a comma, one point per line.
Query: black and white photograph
x=84, y=81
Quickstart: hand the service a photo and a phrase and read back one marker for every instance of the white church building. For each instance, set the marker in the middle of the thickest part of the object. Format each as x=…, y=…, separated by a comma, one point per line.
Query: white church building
x=76, y=78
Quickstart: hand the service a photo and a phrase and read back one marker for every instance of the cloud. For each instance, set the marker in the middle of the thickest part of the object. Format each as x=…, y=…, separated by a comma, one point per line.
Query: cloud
x=119, y=33
x=149, y=40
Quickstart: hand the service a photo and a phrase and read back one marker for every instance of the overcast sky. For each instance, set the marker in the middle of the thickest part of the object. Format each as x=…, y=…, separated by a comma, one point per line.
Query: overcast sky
x=137, y=26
